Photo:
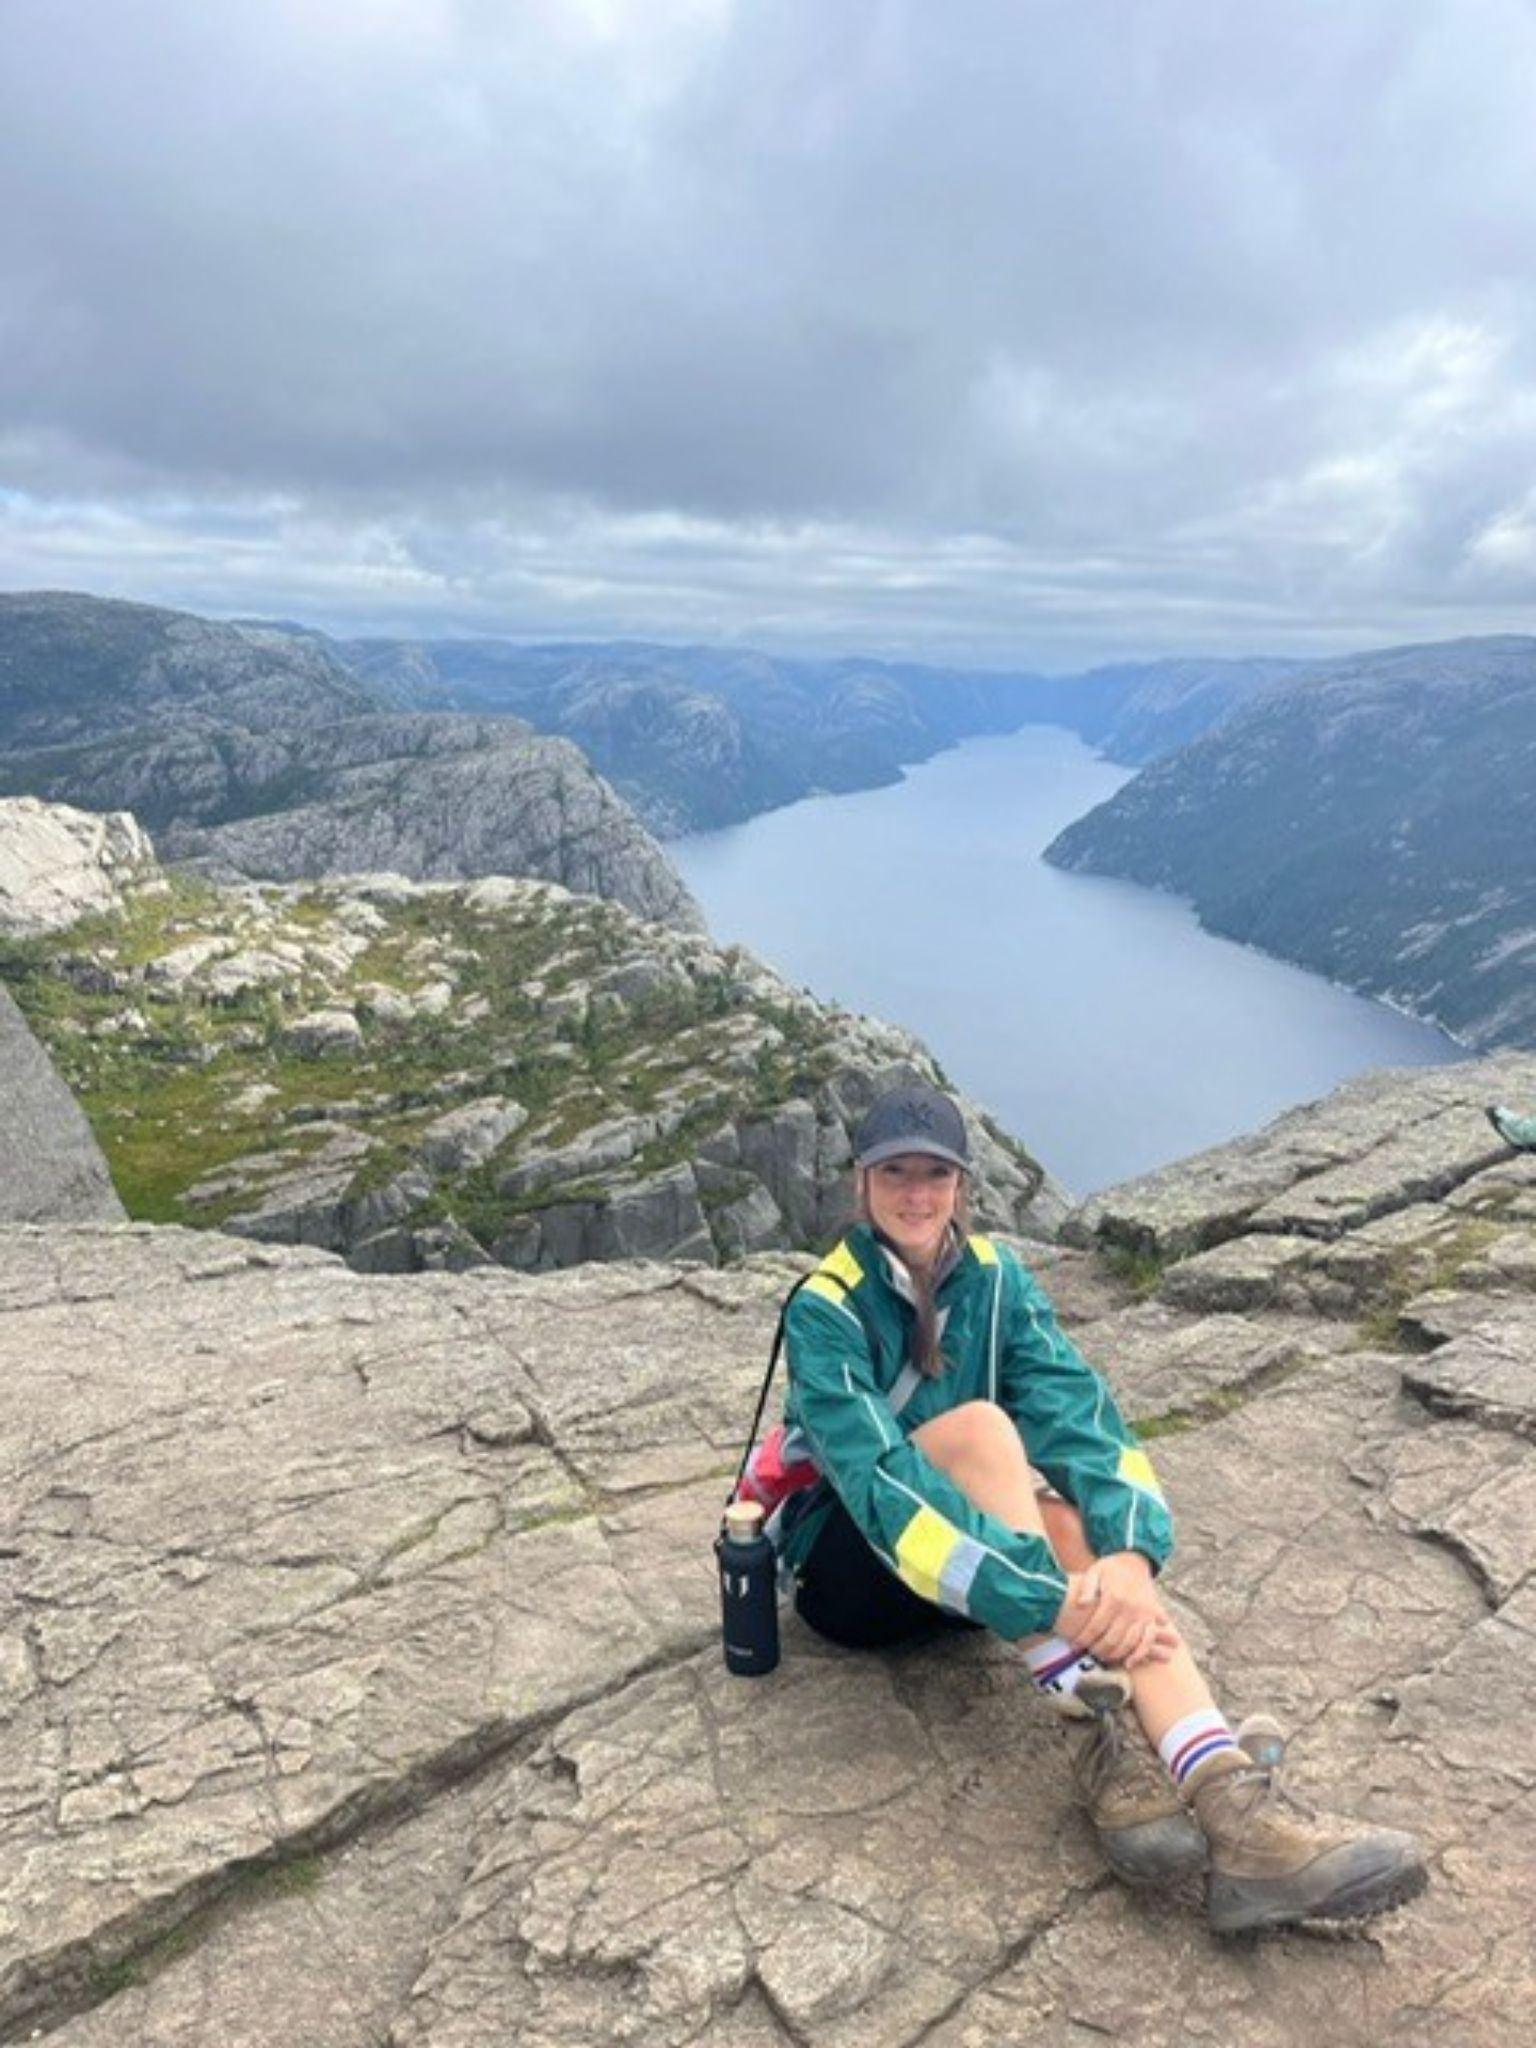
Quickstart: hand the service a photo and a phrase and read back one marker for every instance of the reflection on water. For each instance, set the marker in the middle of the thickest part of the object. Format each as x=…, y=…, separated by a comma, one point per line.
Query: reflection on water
x=1095, y=1019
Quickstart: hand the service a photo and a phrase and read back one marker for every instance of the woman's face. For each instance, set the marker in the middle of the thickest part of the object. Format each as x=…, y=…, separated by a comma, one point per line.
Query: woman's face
x=911, y=1201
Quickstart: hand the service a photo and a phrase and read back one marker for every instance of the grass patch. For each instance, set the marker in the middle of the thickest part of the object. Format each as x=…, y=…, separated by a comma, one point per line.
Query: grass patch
x=1136, y=1267
x=274, y=1881
x=1219, y=1403
x=1423, y=1269
x=182, y=1081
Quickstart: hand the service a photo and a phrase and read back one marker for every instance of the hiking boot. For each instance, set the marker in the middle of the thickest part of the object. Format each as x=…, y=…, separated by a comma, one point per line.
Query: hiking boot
x=1274, y=1862
x=1262, y=1737
x=1098, y=1692
x=1147, y=1833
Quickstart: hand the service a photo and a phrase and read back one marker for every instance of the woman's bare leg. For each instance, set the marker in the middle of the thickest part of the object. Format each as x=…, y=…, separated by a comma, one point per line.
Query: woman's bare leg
x=979, y=1448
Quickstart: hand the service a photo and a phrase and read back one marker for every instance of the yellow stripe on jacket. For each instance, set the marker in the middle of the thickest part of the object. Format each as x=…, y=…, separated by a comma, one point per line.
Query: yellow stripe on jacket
x=1135, y=1468
x=838, y=1266
x=923, y=1549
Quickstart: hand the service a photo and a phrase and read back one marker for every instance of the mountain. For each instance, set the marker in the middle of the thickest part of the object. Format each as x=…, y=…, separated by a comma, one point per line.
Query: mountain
x=1136, y=712
x=195, y=725
x=255, y=748
x=77, y=669
x=699, y=737
x=1370, y=820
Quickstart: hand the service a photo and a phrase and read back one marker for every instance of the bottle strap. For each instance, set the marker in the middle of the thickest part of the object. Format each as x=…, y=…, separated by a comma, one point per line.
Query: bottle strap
x=773, y=1365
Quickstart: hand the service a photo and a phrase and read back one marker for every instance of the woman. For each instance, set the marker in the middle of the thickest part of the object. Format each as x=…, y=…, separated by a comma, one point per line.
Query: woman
x=975, y=1469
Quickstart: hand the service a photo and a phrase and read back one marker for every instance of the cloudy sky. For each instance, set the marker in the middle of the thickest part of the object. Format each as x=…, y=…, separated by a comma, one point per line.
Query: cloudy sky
x=1024, y=332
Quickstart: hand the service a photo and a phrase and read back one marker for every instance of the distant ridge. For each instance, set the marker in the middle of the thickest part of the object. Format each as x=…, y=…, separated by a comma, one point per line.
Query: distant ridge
x=699, y=737
x=1370, y=820
x=257, y=750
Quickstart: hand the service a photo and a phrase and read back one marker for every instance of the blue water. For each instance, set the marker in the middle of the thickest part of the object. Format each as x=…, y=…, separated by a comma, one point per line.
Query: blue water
x=1095, y=1019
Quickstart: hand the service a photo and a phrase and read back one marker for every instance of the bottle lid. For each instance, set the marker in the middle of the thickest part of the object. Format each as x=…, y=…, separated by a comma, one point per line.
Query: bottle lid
x=744, y=1520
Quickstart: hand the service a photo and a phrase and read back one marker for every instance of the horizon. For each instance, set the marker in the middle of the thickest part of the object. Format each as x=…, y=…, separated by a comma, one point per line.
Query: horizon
x=936, y=662
x=1017, y=336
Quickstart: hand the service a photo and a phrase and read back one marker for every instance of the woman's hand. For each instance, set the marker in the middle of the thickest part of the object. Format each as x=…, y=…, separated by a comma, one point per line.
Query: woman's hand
x=1112, y=1610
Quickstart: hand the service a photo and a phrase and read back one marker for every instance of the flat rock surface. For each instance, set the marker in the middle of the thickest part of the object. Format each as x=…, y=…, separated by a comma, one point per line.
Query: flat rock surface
x=1376, y=1144
x=360, y=1679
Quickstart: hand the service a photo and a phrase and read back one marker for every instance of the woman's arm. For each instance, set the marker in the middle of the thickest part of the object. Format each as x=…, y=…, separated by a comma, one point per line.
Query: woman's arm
x=912, y=1514
x=1073, y=1430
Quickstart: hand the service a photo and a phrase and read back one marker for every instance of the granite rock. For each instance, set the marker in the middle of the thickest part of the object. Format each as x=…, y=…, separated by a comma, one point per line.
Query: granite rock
x=360, y=1676
x=51, y=1167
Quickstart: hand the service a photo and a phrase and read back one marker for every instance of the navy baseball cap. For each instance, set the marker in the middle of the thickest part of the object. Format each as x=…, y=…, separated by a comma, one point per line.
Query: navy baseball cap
x=912, y=1119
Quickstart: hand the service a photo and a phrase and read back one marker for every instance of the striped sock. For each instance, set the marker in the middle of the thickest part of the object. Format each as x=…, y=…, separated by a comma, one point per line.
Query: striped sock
x=1194, y=1741
x=1058, y=1668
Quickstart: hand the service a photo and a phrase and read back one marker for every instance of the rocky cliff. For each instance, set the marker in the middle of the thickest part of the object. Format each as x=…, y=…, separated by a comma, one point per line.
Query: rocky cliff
x=51, y=1166
x=697, y=737
x=259, y=751
x=1369, y=821
x=420, y=1075
x=55, y=866
x=445, y=799
x=360, y=1672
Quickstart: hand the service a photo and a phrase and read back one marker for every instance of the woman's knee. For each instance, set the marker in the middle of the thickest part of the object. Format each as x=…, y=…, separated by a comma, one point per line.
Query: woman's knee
x=976, y=1430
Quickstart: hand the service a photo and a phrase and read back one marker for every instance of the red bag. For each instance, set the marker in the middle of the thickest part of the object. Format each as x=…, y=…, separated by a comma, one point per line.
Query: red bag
x=779, y=1466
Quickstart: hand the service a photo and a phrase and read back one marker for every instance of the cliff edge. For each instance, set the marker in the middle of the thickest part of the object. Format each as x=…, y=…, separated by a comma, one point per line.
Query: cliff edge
x=361, y=1681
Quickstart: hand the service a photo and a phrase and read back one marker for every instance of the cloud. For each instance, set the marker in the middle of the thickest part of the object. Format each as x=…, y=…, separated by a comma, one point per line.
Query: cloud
x=1018, y=327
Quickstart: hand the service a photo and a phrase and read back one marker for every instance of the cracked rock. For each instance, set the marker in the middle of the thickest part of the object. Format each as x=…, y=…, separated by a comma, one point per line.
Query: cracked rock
x=360, y=1681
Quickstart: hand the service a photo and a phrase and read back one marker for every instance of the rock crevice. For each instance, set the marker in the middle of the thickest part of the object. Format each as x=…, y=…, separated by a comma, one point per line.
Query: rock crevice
x=360, y=1679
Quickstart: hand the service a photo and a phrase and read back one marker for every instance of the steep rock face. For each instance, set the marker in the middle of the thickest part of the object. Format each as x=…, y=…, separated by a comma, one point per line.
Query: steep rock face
x=261, y=751
x=51, y=1168
x=1138, y=711
x=1370, y=821
x=448, y=799
x=56, y=866
x=421, y=1075
x=362, y=1681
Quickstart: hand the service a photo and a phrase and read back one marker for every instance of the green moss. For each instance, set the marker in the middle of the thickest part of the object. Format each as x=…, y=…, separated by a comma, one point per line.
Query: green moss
x=209, y=1084
x=1220, y=1402
x=1179, y=1421
x=1423, y=1269
x=1136, y=1267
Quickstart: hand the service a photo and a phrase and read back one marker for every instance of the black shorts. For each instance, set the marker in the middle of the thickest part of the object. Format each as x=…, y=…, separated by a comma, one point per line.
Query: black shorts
x=847, y=1595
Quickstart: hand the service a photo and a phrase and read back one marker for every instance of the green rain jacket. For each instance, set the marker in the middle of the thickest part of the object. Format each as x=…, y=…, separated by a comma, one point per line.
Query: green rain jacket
x=857, y=1400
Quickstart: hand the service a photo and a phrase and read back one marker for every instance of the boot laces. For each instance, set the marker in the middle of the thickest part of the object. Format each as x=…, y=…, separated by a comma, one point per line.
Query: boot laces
x=1100, y=1761
x=1112, y=1752
x=1263, y=1795
x=1262, y=1745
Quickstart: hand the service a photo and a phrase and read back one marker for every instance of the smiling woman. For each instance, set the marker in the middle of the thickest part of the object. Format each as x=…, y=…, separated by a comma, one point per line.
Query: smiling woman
x=912, y=1201
x=972, y=1470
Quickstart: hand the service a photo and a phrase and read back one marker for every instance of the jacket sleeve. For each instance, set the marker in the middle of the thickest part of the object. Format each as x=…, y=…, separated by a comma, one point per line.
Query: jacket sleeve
x=913, y=1515
x=1073, y=1431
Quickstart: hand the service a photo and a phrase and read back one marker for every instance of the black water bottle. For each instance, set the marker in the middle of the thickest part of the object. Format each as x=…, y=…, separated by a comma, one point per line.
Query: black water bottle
x=749, y=1597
